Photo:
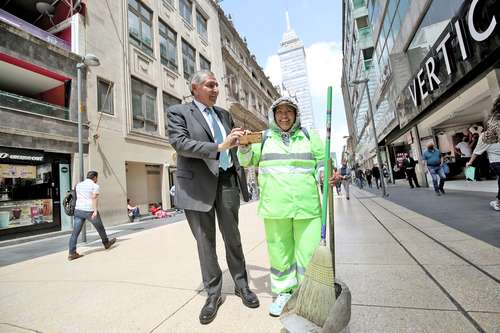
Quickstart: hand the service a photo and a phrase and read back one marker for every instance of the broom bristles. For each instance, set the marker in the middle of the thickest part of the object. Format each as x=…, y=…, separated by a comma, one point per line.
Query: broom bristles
x=317, y=291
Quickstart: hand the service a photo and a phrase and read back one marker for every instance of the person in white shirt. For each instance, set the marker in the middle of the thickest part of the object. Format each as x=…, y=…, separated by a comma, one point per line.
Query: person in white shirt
x=463, y=148
x=86, y=209
x=493, y=151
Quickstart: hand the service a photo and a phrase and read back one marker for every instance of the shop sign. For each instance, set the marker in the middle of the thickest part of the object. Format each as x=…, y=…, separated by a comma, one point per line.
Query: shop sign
x=471, y=38
x=17, y=171
x=13, y=155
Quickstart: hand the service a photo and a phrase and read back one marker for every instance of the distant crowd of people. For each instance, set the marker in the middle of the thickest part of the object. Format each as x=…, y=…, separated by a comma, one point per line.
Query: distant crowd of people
x=476, y=150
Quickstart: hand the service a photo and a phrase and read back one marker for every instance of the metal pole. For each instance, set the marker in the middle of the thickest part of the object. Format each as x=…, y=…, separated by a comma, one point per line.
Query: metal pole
x=372, y=120
x=80, y=141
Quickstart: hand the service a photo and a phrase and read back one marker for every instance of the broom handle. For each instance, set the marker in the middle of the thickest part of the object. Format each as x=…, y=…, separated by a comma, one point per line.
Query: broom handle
x=331, y=224
x=326, y=174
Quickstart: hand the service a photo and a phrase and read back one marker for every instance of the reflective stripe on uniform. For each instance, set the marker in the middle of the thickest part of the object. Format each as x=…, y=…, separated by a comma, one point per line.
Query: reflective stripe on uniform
x=284, y=170
x=290, y=156
x=279, y=273
x=280, y=286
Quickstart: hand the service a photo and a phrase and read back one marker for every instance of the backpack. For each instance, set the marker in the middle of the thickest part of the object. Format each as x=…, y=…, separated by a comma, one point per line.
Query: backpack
x=69, y=202
x=264, y=137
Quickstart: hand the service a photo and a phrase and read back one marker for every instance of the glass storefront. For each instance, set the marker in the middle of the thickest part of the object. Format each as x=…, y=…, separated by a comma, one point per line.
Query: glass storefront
x=29, y=190
x=436, y=19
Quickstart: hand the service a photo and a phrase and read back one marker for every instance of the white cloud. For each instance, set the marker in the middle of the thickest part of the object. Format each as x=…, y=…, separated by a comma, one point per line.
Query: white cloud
x=273, y=69
x=324, y=66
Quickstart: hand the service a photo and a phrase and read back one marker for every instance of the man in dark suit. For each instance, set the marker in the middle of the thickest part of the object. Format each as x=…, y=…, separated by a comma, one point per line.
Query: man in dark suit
x=208, y=182
x=409, y=167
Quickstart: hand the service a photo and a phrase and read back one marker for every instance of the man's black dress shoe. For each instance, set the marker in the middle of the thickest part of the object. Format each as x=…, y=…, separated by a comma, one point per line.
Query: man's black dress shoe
x=248, y=297
x=209, y=310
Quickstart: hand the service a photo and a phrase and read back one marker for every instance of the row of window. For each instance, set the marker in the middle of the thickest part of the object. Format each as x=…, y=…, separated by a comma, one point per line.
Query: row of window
x=144, y=111
x=140, y=27
x=248, y=99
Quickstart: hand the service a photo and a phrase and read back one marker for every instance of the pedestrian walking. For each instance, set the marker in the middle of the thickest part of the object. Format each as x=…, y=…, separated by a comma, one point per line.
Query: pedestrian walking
x=337, y=180
x=385, y=173
x=207, y=179
x=409, y=168
x=87, y=193
x=489, y=142
x=360, y=178
x=288, y=158
x=376, y=175
x=345, y=174
x=434, y=161
x=368, y=175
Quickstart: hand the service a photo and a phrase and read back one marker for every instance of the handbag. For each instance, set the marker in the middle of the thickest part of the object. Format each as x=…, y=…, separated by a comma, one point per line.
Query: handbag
x=469, y=173
x=446, y=169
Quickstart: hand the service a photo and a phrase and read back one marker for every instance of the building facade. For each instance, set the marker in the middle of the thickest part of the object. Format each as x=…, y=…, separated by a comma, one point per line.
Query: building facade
x=38, y=116
x=433, y=73
x=249, y=91
x=294, y=73
x=149, y=54
x=148, y=51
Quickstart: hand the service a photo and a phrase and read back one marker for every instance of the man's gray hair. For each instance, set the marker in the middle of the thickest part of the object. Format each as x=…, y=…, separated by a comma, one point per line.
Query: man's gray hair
x=201, y=76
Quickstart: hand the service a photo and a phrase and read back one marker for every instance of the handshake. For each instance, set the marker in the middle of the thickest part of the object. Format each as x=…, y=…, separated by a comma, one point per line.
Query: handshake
x=239, y=137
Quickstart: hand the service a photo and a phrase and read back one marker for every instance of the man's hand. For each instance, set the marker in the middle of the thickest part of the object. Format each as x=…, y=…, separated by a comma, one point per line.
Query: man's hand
x=231, y=139
x=468, y=164
x=94, y=214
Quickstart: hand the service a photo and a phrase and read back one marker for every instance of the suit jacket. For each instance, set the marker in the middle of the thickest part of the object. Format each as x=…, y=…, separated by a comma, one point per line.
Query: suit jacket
x=409, y=164
x=197, y=157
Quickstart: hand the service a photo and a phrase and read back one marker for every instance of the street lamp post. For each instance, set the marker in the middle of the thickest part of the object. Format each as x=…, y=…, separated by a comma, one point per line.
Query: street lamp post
x=374, y=132
x=88, y=60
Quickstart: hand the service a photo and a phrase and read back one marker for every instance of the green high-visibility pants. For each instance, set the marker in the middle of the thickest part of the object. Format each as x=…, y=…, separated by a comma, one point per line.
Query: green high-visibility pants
x=290, y=244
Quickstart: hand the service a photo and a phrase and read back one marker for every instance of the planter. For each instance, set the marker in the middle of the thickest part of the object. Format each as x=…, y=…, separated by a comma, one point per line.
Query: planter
x=337, y=320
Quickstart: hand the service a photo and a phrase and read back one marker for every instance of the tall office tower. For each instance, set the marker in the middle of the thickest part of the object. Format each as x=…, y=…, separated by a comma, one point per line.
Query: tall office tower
x=294, y=73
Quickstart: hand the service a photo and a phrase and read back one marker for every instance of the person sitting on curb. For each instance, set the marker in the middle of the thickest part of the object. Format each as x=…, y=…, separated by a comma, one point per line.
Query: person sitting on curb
x=133, y=210
x=86, y=209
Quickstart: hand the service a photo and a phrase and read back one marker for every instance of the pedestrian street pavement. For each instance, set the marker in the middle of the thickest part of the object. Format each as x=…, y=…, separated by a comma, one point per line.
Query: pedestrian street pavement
x=406, y=272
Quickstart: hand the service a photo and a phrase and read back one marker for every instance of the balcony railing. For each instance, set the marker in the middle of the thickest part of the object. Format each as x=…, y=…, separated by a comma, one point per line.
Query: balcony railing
x=358, y=4
x=35, y=31
x=365, y=39
x=22, y=103
x=368, y=64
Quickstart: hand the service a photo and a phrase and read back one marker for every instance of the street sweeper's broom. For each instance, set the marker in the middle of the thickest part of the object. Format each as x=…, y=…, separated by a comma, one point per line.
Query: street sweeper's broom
x=317, y=291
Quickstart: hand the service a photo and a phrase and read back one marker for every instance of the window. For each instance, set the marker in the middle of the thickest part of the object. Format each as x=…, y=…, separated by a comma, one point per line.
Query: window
x=169, y=3
x=144, y=107
x=201, y=25
x=104, y=96
x=434, y=22
x=168, y=101
x=139, y=26
x=168, y=46
x=204, y=63
x=188, y=60
x=186, y=10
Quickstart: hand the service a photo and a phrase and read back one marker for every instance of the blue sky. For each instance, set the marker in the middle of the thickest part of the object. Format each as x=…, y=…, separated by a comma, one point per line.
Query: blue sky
x=263, y=22
x=319, y=24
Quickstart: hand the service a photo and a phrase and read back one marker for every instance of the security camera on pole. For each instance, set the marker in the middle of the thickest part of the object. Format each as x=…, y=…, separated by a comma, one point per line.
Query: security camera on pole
x=88, y=60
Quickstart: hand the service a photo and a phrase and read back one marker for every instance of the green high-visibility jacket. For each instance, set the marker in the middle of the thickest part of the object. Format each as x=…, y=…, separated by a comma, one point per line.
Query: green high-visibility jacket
x=287, y=174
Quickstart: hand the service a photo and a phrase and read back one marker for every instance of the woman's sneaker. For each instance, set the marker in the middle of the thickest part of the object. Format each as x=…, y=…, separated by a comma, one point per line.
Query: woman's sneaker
x=495, y=204
x=277, y=306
